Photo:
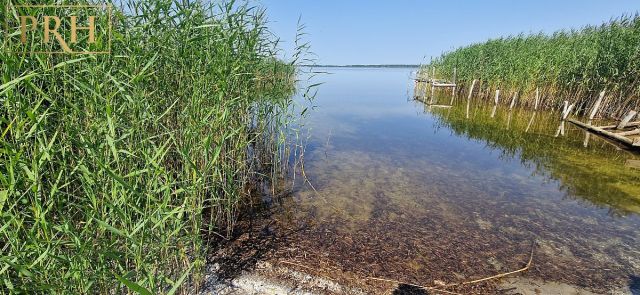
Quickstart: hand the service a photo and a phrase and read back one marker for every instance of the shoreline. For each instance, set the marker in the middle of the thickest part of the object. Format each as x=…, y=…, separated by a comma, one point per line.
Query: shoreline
x=269, y=279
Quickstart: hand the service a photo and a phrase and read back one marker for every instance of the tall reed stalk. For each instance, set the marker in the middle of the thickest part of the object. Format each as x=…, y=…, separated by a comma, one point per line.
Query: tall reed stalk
x=115, y=168
x=572, y=65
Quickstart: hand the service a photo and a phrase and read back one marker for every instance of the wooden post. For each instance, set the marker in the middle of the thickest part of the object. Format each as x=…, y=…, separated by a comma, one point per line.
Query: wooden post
x=473, y=84
x=567, y=110
x=424, y=93
x=497, y=96
x=455, y=84
x=455, y=72
x=560, y=130
x=530, y=122
x=564, y=109
x=432, y=93
x=587, y=136
x=452, y=95
x=596, y=106
x=626, y=119
x=513, y=100
x=535, y=106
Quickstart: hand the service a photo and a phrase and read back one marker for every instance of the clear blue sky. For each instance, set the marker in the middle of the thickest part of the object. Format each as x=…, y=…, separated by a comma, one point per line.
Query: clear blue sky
x=404, y=31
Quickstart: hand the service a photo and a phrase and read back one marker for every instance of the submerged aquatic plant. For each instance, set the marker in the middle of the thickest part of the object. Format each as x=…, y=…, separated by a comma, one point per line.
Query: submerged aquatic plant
x=115, y=168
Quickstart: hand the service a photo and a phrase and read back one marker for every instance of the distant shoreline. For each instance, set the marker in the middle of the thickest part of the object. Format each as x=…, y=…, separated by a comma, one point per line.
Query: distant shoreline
x=362, y=66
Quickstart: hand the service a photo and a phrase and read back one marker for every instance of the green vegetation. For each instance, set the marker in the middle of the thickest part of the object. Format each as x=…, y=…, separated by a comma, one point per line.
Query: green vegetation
x=569, y=65
x=115, y=169
x=366, y=66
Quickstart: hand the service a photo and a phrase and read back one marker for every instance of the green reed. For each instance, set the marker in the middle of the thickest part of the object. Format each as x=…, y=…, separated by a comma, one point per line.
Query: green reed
x=114, y=169
x=572, y=65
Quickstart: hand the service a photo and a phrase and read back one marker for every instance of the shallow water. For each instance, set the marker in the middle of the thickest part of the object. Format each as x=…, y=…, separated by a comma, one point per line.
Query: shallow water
x=416, y=194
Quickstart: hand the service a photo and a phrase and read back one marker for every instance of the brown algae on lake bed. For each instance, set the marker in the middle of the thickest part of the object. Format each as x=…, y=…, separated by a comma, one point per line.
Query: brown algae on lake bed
x=428, y=197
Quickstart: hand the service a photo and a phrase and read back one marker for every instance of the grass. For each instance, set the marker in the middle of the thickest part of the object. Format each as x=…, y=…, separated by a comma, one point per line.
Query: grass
x=572, y=65
x=114, y=169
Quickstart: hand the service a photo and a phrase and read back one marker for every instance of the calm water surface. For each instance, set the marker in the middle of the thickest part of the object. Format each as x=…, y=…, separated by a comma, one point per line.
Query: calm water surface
x=416, y=194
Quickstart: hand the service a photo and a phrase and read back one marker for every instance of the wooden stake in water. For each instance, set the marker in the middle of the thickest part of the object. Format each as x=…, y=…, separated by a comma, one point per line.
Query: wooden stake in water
x=432, y=93
x=497, y=96
x=530, y=122
x=567, y=110
x=596, y=106
x=455, y=85
x=424, y=95
x=535, y=106
x=594, y=111
x=564, y=109
x=587, y=135
x=565, y=113
x=513, y=100
x=473, y=84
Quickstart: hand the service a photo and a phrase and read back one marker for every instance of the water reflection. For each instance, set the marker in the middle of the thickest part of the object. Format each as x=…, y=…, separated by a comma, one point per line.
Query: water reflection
x=595, y=173
x=416, y=193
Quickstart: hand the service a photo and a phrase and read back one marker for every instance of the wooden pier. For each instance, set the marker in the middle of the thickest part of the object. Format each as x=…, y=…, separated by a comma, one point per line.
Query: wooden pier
x=434, y=84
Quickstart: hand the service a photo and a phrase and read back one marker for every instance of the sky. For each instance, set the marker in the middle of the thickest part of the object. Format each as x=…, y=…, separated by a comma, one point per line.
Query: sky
x=411, y=31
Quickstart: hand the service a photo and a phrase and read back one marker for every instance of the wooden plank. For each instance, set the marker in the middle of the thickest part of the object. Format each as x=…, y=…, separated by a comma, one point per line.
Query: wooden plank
x=444, y=85
x=603, y=132
x=630, y=124
x=626, y=119
x=630, y=132
x=632, y=164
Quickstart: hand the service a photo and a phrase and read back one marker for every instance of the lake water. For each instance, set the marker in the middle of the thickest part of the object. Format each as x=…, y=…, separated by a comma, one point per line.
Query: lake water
x=426, y=196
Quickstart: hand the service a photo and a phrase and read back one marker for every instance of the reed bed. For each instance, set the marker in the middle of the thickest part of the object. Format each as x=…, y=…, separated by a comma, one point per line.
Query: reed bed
x=114, y=169
x=573, y=65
